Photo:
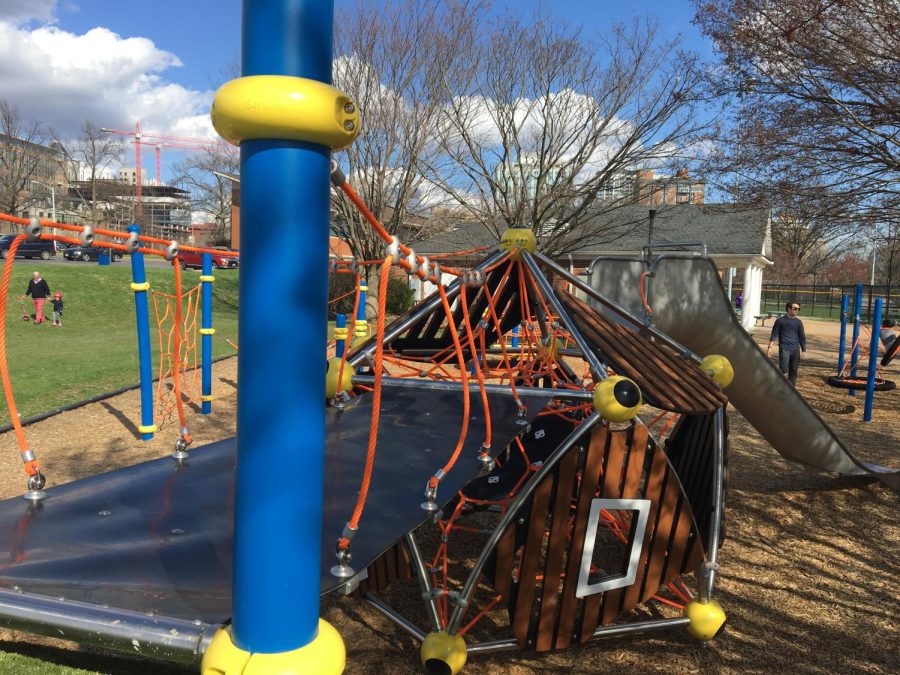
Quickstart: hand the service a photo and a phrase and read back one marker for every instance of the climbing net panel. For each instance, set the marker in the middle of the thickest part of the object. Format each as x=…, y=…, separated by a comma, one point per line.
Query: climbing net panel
x=177, y=350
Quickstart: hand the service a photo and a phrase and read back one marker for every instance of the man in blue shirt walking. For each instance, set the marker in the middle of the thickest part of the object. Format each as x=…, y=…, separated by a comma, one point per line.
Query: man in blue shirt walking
x=788, y=331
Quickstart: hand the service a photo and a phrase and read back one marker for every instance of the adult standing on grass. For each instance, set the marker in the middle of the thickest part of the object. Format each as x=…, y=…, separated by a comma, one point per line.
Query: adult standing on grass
x=788, y=331
x=38, y=290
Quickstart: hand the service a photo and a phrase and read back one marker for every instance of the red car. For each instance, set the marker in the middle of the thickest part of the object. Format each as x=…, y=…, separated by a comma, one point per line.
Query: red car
x=219, y=261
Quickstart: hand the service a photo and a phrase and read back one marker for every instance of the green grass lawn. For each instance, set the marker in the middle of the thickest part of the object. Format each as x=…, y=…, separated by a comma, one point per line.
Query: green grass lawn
x=95, y=351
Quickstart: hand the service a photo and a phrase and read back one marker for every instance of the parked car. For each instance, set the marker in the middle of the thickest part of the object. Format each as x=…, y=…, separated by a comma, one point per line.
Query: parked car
x=89, y=253
x=219, y=261
x=28, y=249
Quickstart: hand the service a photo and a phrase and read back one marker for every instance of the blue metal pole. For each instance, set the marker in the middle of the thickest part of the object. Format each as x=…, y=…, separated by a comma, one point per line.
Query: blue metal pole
x=340, y=335
x=842, y=347
x=515, y=337
x=284, y=198
x=142, y=312
x=206, y=332
x=857, y=322
x=361, y=327
x=873, y=362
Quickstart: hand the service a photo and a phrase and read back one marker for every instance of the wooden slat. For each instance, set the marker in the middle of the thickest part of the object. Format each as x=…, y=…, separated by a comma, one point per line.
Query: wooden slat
x=531, y=559
x=665, y=522
x=556, y=549
x=612, y=600
x=504, y=561
x=612, y=479
x=590, y=478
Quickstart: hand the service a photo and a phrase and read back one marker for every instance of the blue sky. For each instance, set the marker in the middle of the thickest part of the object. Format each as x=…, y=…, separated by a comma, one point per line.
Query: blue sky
x=115, y=62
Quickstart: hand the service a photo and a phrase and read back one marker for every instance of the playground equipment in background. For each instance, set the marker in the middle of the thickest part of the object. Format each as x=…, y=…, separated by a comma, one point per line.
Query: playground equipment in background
x=168, y=324
x=847, y=375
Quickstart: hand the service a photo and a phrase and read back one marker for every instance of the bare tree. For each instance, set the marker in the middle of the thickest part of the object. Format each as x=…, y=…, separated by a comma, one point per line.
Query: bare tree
x=21, y=158
x=813, y=90
x=94, y=152
x=540, y=119
x=389, y=62
x=206, y=175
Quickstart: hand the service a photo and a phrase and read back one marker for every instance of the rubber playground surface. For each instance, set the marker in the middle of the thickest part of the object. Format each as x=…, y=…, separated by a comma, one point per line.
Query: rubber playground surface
x=808, y=568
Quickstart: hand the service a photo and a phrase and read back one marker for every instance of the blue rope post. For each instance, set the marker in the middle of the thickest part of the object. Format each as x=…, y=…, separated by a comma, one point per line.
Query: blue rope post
x=140, y=286
x=515, y=337
x=340, y=335
x=287, y=118
x=873, y=362
x=842, y=346
x=857, y=323
x=206, y=332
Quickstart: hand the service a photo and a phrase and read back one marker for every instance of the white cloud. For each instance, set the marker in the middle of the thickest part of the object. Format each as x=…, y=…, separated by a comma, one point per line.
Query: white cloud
x=62, y=79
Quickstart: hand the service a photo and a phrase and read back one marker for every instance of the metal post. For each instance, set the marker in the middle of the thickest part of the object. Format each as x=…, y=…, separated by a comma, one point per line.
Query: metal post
x=206, y=332
x=857, y=321
x=515, y=336
x=842, y=346
x=708, y=577
x=873, y=361
x=361, y=327
x=340, y=335
x=284, y=197
x=142, y=312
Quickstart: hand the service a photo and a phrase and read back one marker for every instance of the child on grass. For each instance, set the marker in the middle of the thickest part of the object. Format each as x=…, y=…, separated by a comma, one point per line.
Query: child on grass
x=57, y=308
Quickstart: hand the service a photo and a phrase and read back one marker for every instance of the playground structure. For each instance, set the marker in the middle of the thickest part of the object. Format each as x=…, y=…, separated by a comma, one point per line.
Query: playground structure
x=589, y=521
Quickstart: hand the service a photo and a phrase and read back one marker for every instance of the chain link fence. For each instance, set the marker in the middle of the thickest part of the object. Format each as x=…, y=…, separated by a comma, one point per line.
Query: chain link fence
x=824, y=302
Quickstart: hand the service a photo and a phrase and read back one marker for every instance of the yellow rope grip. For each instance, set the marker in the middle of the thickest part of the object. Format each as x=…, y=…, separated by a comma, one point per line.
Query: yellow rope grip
x=285, y=108
x=341, y=333
x=207, y=277
x=207, y=398
x=207, y=331
x=147, y=429
x=144, y=286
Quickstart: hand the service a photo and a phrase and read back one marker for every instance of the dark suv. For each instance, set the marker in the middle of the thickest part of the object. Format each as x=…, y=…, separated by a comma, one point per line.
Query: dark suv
x=28, y=249
x=91, y=253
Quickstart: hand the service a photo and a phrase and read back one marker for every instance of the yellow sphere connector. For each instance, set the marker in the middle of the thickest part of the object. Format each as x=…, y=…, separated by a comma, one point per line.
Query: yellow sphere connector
x=617, y=399
x=332, y=374
x=281, y=107
x=718, y=368
x=518, y=239
x=325, y=655
x=443, y=653
x=706, y=619
x=549, y=349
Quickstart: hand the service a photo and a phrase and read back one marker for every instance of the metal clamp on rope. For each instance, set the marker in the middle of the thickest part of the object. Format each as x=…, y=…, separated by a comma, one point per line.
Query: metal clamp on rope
x=436, y=272
x=422, y=272
x=413, y=262
x=393, y=249
x=133, y=243
x=171, y=250
x=87, y=236
x=337, y=176
x=332, y=265
x=33, y=229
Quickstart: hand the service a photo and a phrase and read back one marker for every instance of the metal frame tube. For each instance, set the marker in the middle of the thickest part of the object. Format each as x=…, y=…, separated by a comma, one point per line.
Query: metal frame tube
x=401, y=325
x=857, y=322
x=710, y=567
x=340, y=321
x=142, y=314
x=401, y=621
x=433, y=385
x=617, y=308
x=207, y=333
x=598, y=369
x=135, y=633
x=842, y=346
x=422, y=576
x=511, y=514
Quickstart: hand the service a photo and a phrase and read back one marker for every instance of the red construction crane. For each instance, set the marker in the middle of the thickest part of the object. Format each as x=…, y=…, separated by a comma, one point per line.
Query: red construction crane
x=159, y=141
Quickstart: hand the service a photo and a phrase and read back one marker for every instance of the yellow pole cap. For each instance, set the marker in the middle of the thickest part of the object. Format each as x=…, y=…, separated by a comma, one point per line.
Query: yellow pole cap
x=719, y=368
x=617, y=399
x=518, y=239
x=706, y=619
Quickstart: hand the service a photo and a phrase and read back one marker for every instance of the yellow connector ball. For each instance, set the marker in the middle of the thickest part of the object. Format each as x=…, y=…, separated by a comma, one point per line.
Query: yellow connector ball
x=705, y=619
x=718, y=368
x=549, y=351
x=518, y=239
x=617, y=399
x=443, y=653
x=331, y=378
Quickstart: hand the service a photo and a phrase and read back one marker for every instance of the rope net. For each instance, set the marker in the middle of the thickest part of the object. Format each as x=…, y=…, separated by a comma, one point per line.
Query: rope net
x=178, y=372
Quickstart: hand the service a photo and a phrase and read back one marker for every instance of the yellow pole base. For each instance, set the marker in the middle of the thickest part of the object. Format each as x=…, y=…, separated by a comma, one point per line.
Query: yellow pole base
x=706, y=619
x=325, y=655
x=443, y=653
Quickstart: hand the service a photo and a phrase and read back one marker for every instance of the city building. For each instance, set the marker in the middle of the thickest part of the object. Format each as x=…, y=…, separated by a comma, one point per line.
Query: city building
x=525, y=177
x=652, y=190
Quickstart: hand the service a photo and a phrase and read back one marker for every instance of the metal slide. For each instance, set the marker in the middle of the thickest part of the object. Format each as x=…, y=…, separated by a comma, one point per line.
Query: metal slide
x=690, y=305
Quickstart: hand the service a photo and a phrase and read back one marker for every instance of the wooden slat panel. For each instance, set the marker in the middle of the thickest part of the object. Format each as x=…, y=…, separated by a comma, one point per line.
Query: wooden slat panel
x=531, y=559
x=504, y=561
x=612, y=479
x=590, y=478
x=665, y=522
x=612, y=600
x=653, y=490
x=556, y=550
